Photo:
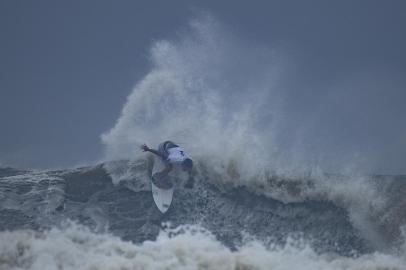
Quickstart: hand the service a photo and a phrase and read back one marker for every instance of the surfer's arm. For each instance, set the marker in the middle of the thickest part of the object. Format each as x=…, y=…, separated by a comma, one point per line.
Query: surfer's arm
x=153, y=151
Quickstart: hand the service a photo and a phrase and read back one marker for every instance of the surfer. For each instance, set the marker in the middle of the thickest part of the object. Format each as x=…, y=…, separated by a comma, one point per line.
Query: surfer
x=172, y=155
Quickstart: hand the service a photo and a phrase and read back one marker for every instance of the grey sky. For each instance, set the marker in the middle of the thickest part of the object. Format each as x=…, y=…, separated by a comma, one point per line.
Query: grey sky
x=66, y=68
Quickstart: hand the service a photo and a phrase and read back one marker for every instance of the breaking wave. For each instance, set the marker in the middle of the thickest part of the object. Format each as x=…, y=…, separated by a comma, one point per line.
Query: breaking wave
x=186, y=247
x=218, y=97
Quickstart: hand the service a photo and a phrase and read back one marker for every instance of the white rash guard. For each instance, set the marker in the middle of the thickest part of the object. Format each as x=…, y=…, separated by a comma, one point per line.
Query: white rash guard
x=176, y=155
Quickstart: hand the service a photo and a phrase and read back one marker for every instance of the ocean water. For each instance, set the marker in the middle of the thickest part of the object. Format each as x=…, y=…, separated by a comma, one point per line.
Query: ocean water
x=84, y=219
x=268, y=193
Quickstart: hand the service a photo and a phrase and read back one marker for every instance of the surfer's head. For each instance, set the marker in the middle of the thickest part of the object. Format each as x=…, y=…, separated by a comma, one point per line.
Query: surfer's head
x=187, y=164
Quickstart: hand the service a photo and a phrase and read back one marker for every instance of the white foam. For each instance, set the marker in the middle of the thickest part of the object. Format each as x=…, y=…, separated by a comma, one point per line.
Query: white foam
x=185, y=247
x=133, y=173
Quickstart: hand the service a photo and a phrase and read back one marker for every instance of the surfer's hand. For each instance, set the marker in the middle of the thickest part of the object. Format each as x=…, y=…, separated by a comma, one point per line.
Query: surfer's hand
x=144, y=147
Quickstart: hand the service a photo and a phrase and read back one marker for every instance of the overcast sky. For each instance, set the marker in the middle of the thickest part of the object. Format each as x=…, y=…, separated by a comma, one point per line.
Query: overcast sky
x=67, y=67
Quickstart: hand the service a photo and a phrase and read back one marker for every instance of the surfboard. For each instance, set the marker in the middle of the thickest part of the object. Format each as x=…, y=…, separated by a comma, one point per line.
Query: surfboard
x=162, y=187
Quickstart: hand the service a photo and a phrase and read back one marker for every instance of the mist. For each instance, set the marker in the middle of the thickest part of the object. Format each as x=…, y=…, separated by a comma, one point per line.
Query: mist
x=221, y=95
x=316, y=85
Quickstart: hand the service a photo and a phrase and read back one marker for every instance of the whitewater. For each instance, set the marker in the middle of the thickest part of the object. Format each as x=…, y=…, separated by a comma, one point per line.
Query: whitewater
x=262, y=198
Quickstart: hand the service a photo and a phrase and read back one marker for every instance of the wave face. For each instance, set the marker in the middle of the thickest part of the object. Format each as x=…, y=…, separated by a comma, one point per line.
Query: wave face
x=209, y=226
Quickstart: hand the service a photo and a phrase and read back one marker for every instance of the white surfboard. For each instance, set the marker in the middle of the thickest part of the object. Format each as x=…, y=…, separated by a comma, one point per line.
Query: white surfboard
x=162, y=190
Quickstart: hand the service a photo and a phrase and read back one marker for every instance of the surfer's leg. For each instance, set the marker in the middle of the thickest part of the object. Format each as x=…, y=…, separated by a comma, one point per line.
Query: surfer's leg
x=161, y=179
x=165, y=171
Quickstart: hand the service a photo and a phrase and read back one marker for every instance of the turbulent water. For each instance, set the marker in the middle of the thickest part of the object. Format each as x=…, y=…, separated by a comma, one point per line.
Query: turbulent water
x=104, y=217
x=261, y=199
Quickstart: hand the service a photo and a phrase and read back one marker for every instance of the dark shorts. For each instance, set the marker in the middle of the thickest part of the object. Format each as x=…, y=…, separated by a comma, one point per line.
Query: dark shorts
x=163, y=182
